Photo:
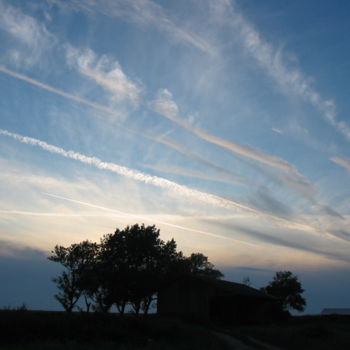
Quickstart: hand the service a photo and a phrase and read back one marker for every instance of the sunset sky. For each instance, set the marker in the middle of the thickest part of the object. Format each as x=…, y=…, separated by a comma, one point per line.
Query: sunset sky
x=224, y=123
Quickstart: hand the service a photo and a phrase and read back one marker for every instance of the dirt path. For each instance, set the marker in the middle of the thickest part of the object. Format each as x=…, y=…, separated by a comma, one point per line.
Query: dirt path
x=236, y=344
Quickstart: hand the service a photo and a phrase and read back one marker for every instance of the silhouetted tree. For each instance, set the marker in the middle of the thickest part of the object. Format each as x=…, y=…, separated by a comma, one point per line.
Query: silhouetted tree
x=135, y=261
x=199, y=265
x=287, y=288
x=78, y=260
x=129, y=266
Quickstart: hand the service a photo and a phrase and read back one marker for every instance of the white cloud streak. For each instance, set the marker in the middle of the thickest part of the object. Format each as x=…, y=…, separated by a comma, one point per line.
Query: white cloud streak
x=228, y=176
x=143, y=13
x=133, y=174
x=26, y=29
x=56, y=91
x=189, y=173
x=166, y=103
x=105, y=72
x=278, y=131
x=50, y=214
x=273, y=62
x=165, y=106
x=343, y=162
x=144, y=217
x=180, y=190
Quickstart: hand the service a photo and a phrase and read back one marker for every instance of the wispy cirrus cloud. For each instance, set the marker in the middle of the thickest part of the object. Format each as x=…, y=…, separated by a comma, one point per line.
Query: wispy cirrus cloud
x=173, y=187
x=133, y=174
x=288, y=76
x=56, y=91
x=167, y=107
x=165, y=102
x=278, y=131
x=306, y=245
x=226, y=175
x=12, y=249
x=107, y=73
x=189, y=173
x=149, y=218
x=50, y=214
x=27, y=31
x=290, y=244
x=343, y=162
x=286, y=174
x=143, y=13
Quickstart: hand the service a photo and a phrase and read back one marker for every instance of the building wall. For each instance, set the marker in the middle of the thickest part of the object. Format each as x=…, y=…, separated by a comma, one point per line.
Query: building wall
x=203, y=302
x=186, y=299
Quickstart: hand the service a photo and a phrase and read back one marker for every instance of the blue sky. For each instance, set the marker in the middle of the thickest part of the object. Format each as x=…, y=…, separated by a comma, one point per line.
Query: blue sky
x=225, y=123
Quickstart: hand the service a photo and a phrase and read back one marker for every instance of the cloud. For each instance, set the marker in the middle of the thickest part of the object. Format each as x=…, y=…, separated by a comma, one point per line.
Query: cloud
x=11, y=249
x=28, y=275
x=343, y=162
x=274, y=240
x=34, y=36
x=165, y=106
x=106, y=73
x=263, y=201
x=329, y=211
x=133, y=174
x=172, y=187
x=150, y=218
x=278, y=131
x=289, y=77
x=228, y=176
x=143, y=13
x=342, y=233
x=51, y=214
x=59, y=92
x=190, y=173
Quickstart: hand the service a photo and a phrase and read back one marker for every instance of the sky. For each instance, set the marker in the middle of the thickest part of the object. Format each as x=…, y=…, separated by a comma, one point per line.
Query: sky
x=224, y=123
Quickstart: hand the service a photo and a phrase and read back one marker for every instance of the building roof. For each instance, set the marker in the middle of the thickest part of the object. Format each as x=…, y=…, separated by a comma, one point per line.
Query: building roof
x=223, y=287
x=336, y=311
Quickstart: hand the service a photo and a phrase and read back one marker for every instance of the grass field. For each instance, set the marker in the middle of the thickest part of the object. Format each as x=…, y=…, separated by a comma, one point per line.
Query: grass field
x=301, y=332
x=27, y=330
x=38, y=330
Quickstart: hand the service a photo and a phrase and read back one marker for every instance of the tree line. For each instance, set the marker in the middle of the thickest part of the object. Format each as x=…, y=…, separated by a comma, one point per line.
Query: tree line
x=127, y=267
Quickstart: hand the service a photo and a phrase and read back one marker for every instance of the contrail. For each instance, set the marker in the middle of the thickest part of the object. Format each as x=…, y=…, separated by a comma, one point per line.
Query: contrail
x=57, y=91
x=234, y=178
x=157, y=106
x=295, y=179
x=118, y=212
x=103, y=108
x=343, y=162
x=181, y=190
x=160, y=108
x=50, y=214
x=134, y=174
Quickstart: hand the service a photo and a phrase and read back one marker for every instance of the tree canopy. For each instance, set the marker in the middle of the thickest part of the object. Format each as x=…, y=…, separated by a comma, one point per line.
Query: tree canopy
x=127, y=267
x=77, y=260
x=288, y=289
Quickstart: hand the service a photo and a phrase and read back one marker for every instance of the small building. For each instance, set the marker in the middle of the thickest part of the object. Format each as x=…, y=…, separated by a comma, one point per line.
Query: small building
x=212, y=300
x=336, y=311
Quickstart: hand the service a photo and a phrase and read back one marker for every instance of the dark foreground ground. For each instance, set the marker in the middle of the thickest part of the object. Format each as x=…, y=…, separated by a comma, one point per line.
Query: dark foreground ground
x=38, y=330
x=300, y=332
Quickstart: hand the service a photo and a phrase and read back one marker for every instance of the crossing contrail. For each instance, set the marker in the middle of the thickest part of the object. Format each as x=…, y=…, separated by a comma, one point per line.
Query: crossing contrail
x=134, y=174
x=143, y=217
